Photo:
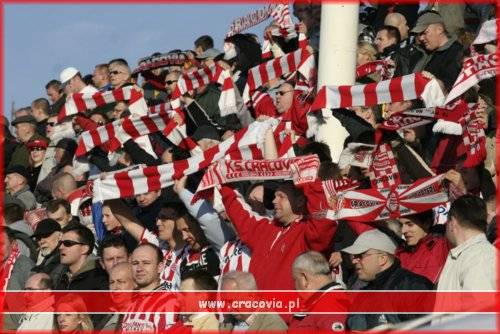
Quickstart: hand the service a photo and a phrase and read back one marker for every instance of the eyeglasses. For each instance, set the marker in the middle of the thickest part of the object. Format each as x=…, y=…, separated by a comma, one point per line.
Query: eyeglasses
x=283, y=93
x=363, y=255
x=51, y=123
x=71, y=243
x=115, y=72
x=169, y=82
x=37, y=149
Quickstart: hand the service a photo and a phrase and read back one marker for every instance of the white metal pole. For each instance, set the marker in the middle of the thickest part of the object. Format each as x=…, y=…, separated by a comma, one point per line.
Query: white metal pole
x=337, y=64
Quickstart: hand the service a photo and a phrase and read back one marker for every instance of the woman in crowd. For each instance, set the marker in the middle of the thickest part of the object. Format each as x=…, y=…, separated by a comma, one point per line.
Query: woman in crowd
x=68, y=322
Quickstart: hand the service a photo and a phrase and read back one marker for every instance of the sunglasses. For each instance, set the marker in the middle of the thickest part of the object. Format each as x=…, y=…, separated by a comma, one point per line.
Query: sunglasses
x=283, y=93
x=169, y=82
x=51, y=123
x=115, y=72
x=37, y=149
x=71, y=243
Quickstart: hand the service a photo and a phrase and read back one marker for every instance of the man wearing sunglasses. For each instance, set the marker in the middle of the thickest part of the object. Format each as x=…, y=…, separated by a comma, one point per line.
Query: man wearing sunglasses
x=373, y=258
x=81, y=271
x=119, y=73
x=47, y=235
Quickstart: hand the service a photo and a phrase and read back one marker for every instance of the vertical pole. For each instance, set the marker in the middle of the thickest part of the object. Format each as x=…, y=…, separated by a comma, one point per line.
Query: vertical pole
x=337, y=64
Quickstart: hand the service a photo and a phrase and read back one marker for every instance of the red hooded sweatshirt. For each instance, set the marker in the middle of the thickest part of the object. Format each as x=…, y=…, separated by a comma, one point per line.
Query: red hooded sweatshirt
x=274, y=247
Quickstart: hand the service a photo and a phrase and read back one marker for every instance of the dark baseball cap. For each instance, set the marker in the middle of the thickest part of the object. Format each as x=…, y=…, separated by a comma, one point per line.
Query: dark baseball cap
x=21, y=170
x=24, y=119
x=46, y=227
x=425, y=20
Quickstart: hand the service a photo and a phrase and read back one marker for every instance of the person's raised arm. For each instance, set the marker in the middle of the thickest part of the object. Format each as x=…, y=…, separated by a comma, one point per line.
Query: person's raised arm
x=216, y=230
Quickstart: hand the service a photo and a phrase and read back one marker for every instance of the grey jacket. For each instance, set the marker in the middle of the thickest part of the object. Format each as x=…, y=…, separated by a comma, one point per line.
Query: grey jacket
x=27, y=197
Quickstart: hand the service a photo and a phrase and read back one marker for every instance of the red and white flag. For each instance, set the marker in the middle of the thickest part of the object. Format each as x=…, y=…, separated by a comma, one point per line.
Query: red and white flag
x=475, y=69
x=405, y=88
x=79, y=102
x=368, y=205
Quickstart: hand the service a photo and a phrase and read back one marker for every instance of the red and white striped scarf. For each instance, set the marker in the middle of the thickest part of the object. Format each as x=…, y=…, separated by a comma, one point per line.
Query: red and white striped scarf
x=202, y=77
x=8, y=266
x=79, y=102
x=250, y=20
x=383, y=169
x=300, y=60
x=378, y=66
x=405, y=88
x=369, y=205
x=133, y=127
x=162, y=107
x=242, y=145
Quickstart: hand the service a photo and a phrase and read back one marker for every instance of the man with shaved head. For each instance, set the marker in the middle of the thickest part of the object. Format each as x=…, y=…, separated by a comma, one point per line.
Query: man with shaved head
x=398, y=20
x=120, y=279
x=253, y=322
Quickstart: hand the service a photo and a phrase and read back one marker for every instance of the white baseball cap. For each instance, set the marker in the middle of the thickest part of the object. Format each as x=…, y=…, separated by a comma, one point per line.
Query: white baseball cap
x=373, y=239
x=67, y=74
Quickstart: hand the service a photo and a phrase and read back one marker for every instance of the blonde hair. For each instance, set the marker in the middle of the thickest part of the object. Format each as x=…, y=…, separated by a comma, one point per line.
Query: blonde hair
x=366, y=48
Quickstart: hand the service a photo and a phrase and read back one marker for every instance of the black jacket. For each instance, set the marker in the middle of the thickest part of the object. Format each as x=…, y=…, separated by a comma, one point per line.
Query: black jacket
x=393, y=278
x=445, y=63
x=51, y=265
x=89, y=277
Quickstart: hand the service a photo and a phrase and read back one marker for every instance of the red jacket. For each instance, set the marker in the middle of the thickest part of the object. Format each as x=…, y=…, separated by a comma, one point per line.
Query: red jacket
x=275, y=247
x=314, y=323
x=427, y=258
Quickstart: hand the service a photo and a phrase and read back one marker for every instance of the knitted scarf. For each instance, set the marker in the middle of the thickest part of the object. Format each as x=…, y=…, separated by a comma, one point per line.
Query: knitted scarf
x=398, y=89
x=8, y=266
x=303, y=169
x=378, y=66
x=300, y=60
x=245, y=144
x=202, y=77
x=332, y=188
x=121, y=130
x=383, y=169
x=250, y=20
x=475, y=69
x=79, y=102
x=368, y=205
x=164, y=59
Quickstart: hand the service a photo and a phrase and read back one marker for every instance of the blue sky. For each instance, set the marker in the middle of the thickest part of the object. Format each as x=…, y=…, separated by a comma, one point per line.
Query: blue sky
x=41, y=40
